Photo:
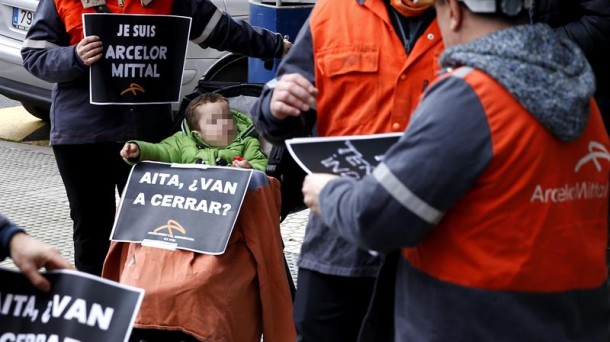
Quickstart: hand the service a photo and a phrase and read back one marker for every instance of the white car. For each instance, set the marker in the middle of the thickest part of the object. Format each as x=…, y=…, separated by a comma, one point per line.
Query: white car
x=35, y=94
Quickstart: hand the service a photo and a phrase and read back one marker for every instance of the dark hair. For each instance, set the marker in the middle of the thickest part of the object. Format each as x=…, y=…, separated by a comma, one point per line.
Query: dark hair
x=191, y=113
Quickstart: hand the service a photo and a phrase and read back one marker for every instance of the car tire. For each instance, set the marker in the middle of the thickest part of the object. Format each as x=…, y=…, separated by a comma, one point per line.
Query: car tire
x=41, y=113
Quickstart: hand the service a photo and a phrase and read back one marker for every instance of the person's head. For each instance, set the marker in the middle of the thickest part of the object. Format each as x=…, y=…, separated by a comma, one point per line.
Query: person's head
x=461, y=21
x=210, y=116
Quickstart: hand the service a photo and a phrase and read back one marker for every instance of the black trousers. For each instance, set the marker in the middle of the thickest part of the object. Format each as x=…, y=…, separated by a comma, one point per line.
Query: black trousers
x=330, y=308
x=91, y=174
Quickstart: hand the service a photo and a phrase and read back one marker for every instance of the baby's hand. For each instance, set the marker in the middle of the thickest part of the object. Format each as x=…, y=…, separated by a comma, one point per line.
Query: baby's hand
x=130, y=151
x=241, y=163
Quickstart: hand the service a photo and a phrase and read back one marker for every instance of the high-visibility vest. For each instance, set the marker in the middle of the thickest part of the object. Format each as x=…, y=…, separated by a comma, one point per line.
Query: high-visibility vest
x=521, y=227
x=367, y=85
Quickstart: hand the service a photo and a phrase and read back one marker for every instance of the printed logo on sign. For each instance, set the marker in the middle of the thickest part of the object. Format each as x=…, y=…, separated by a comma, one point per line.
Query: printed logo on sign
x=171, y=227
x=133, y=88
x=580, y=190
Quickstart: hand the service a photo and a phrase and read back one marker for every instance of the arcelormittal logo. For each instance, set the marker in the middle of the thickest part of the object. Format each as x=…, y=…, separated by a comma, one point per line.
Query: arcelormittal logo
x=170, y=227
x=134, y=88
x=596, y=151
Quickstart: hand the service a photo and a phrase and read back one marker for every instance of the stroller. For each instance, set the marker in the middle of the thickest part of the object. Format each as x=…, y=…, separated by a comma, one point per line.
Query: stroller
x=236, y=296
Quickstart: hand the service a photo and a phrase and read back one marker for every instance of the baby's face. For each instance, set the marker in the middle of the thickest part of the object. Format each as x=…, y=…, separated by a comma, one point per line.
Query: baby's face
x=216, y=124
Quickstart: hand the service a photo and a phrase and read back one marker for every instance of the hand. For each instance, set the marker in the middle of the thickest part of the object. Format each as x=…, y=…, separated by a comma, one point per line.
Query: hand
x=89, y=50
x=241, y=163
x=30, y=254
x=130, y=151
x=287, y=46
x=292, y=94
x=312, y=186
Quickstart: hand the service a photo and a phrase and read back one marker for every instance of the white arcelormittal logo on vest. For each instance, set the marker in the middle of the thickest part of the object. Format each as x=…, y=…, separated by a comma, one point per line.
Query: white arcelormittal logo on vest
x=581, y=190
x=596, y=151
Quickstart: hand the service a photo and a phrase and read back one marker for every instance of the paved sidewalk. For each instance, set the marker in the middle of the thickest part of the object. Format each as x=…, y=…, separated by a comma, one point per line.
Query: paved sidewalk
x=32, y=195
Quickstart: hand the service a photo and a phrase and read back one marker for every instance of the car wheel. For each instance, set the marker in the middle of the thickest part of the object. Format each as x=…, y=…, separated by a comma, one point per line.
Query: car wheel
x=41, y=113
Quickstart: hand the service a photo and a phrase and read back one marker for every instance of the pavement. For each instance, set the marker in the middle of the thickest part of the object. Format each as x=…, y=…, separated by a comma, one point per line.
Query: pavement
x=32, y=193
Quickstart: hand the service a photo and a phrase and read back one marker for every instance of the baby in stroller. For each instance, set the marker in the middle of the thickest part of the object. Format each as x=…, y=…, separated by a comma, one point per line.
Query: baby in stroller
x=239, y=295
x=211, y=134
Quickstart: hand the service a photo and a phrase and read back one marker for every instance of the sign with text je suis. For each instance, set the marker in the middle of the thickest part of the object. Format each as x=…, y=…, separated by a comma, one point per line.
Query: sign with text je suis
x=142, y=60
x=181, y=206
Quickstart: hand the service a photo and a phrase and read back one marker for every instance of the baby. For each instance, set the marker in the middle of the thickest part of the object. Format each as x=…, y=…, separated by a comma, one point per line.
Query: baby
x=213, y=134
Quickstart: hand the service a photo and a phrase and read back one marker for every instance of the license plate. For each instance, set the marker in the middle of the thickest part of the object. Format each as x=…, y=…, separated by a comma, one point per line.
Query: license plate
x=22, y=19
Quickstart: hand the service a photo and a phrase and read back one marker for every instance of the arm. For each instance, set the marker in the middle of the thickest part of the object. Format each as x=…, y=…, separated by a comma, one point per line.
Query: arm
x=295, y=76
x=212, y=27
x=46, y=51
x=592, y=29
x=254, y=155
x=422, y=176
x=585, y=22
x=7, y=230
x=168, y=150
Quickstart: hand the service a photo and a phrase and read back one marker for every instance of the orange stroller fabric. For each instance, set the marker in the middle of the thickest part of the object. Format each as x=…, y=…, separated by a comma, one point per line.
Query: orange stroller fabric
x=236, y=296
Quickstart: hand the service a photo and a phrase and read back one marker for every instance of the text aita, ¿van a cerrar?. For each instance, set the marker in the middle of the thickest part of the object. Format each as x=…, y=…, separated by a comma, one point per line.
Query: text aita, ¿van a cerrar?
x=59, y=307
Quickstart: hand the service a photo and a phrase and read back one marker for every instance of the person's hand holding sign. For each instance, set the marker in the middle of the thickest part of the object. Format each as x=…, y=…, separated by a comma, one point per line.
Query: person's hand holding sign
x=89, y=50
x=30, y=254
x=312, y=186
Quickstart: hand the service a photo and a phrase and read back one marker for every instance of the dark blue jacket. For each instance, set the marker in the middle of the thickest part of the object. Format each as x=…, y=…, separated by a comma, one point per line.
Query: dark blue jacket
x=7, y=230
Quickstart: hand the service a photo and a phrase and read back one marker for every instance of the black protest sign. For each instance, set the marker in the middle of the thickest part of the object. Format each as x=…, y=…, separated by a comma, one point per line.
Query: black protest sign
x=353, y=156
x=79, y=307
x=143, y=57
x=185, y=206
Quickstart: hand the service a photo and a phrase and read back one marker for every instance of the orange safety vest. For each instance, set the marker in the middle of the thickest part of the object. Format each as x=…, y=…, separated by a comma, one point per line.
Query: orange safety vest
x=373, y=84
x=520, y=227
x=71, y=11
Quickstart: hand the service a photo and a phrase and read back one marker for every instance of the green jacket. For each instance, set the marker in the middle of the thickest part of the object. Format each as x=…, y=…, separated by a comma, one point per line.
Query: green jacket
x=187, y=147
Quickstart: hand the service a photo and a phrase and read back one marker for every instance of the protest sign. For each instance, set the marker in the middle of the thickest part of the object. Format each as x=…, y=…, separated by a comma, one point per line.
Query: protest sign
x=79, y=308
x=353, y=156
x=186, y=206
x=143, y=57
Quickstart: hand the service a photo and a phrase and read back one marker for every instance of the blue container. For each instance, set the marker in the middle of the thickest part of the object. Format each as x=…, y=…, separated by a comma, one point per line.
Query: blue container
x=286, y=19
